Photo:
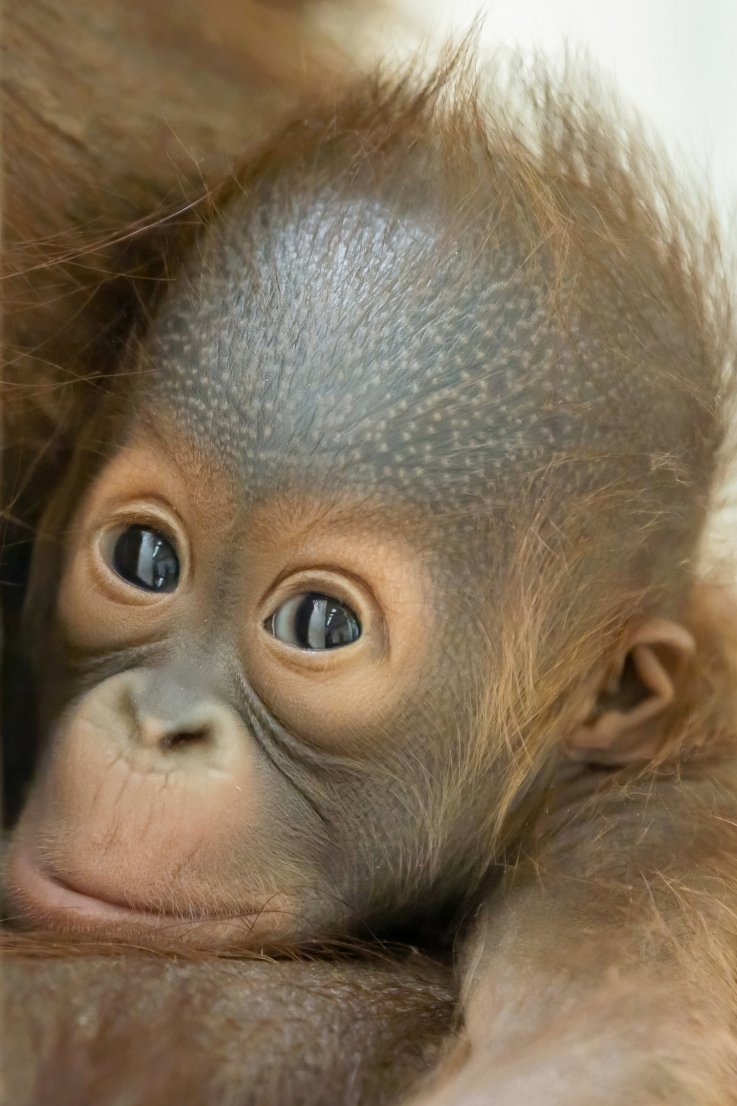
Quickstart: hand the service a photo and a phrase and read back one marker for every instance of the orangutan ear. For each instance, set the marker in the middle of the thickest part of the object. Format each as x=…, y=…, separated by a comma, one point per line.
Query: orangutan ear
x=627, y=722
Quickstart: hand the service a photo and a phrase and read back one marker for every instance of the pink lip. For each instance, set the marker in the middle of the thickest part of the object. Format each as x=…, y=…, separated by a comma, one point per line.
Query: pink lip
x=42, y=892
x=48, y=901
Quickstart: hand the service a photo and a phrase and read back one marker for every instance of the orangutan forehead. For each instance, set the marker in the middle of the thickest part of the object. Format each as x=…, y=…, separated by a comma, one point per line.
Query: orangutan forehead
x=347, y=344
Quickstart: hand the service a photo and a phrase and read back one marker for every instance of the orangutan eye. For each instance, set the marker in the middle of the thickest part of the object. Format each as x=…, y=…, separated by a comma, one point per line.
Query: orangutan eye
x=143, y=558
x=314, y=621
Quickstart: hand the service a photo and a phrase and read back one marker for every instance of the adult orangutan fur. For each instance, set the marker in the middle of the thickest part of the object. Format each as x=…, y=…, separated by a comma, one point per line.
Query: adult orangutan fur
x=592, y=844
x=150, y=1030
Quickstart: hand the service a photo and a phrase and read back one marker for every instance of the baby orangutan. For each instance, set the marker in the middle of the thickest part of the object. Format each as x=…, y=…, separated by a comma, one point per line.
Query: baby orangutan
x=369, y=597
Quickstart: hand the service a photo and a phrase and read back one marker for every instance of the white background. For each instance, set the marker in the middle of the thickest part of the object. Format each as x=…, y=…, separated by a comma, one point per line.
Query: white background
x=676, y=59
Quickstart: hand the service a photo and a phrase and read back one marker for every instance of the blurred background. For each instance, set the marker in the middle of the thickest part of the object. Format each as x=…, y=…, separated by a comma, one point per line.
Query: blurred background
x=676, y=59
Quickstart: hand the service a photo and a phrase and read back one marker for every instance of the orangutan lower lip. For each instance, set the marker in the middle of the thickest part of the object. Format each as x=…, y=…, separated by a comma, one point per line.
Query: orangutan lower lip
x=47, y=896
x=44, y=891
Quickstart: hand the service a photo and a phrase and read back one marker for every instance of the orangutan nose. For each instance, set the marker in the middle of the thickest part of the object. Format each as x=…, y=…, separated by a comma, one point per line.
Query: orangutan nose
x=174, y=718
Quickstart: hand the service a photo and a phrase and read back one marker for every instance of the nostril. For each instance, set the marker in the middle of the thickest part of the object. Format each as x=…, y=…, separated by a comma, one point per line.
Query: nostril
x=179, y=730
x=179, y=738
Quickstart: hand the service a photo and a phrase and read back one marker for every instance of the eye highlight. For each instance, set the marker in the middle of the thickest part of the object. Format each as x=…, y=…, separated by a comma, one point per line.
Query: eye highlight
x=314, y=621
x=143, y=557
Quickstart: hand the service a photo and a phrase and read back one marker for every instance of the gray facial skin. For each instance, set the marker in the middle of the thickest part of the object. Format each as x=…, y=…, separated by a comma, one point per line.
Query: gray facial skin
x=341, y=343
x=374, y=343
